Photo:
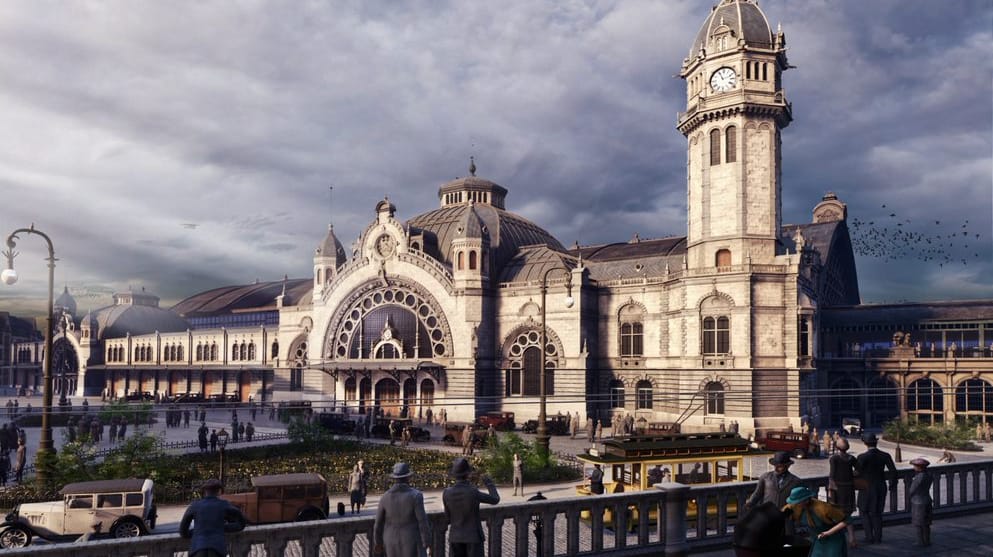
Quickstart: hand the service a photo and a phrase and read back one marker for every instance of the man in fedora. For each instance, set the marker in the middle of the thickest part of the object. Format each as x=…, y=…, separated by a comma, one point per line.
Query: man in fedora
x=775, y=486
x=401, y=528
x=212, y=517
x=873, y=465
x=465, y=533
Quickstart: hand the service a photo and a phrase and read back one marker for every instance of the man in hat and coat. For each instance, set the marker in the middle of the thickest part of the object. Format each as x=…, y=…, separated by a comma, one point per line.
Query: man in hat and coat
x=775, y=486
x=211, y=517
x=921, y=504
x=873, y=465
x=465, y=532
x=401, y=528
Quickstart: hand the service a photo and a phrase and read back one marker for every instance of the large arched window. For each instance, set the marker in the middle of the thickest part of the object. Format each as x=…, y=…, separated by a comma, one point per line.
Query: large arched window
x=350, y=391
x=524, y=356
x=716, y=335
x=427, y=392
x=213, y=352
x=924, y=399
x=251, y=351
x=234, y=352
x=275, y=350
x=617, y=394
x=714, y=394
x=243, y=352
x=632, y=339
x=644, y=389
x=715, y=147
x=974, y=397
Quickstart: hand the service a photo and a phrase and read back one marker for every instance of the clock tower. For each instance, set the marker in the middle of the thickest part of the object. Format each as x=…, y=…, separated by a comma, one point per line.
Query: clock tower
x=735, y=109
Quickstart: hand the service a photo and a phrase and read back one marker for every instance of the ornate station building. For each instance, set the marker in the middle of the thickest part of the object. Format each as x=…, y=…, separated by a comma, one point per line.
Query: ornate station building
x=470, y=306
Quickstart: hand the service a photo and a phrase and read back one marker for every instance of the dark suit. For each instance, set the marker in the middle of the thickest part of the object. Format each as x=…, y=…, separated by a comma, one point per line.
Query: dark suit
x=774, y=489
x=465, y=533
x=401, y=527
x=873, y=465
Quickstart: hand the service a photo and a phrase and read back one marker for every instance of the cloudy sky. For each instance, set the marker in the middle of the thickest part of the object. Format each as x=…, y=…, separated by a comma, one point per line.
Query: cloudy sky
x=123, y=121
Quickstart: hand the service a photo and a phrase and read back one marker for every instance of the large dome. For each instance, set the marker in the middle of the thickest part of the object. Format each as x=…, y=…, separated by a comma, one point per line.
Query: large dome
x=507, y=231
x=745, y=21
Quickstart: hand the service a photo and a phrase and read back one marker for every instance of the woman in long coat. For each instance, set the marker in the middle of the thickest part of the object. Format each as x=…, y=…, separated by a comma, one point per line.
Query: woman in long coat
x=921, y=504
x=841, y=482
x=401, y=528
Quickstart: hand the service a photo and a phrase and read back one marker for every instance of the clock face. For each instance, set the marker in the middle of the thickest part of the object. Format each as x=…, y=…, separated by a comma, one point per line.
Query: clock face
x=384, y=245
x=723, y=80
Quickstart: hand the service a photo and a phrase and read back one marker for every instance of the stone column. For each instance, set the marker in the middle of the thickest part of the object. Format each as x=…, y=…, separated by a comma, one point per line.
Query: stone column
x=675, y=518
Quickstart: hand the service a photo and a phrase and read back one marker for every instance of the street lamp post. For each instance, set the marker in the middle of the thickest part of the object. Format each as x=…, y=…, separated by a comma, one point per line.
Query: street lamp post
x=222, y=442
x=541, y=437
x=9, y=276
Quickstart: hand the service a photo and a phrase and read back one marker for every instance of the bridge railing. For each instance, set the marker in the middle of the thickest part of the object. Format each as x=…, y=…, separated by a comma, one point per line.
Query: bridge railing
x=651, y=522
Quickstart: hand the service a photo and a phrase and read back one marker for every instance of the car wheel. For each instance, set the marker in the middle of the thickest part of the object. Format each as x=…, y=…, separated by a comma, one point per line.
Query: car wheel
x=15, y=536
x=310, y=514
x=127, y=528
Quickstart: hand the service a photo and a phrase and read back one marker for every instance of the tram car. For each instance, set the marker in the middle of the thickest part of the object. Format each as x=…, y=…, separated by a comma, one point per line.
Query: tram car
x=638, y=462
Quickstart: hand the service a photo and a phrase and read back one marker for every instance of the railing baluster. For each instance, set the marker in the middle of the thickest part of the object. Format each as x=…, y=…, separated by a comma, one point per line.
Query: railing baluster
x=596, y=521
x=572, y=530
x=644, y=522
x=343, y=543
x=494, y=529
x=548, y=533
x=522, y=522
x=620, y=510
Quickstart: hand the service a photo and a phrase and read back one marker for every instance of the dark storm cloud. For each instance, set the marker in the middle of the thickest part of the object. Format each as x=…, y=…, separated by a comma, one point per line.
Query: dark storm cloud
x=127, y=121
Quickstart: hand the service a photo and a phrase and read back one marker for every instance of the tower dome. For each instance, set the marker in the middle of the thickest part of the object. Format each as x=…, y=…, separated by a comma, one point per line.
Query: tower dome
x=331, y=247
x=742, y=19
x=66, y=302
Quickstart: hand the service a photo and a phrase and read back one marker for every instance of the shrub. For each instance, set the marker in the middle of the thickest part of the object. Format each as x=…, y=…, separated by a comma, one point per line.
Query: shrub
x=950, y=436
x=498, y=461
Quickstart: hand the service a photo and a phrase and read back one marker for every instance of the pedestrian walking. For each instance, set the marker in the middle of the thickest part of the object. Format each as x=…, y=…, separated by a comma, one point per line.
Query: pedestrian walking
x=573, y=424
x=599, y=430
x=518, y=474
x=19, y=460
x=405, y=436
x=211, y=518
x=429, y=416
x=213, y=440
x=841, y=482
x=234, y=429
x=461, y=502
x=249, y=432
x=823, y=521
x=921, y=504
x=401, y=528
x=873, y=466
x=122, y=429
x=355, y=489
x=186, y=417
x=590, y=430
x=113, y=429
x=241, y=431
x=202, y=437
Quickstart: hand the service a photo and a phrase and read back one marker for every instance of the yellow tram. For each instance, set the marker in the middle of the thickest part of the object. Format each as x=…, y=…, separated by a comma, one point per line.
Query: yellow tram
x=640, y=461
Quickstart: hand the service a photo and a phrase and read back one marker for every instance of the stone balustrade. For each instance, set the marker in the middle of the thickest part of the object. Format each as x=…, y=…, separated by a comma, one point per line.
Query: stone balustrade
x=656, y=523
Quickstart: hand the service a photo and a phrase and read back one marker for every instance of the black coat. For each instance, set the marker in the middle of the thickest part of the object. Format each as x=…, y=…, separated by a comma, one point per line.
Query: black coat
x=876, y=467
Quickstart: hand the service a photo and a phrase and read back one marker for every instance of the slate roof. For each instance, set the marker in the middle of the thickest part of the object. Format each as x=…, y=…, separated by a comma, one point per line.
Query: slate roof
x=908, y=313
x=119, y=320
x=744, y=18
x=231, y=299
x=632, y=259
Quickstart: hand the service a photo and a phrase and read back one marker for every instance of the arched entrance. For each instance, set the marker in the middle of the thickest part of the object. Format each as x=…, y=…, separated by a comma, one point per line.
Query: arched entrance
x=388, y=396
x=365, y=392
x=409, y=397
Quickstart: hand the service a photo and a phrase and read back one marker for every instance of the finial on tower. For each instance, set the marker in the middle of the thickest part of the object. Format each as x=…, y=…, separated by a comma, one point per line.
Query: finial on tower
x=472, y=166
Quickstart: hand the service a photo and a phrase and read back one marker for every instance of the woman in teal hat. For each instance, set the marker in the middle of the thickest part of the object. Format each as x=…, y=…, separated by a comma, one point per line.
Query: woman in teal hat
x=826, y=522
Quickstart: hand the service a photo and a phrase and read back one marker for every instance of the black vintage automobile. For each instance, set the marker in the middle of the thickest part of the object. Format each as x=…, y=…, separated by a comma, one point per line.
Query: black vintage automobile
x=336, y=422
x=557, y=425
x=381, y=429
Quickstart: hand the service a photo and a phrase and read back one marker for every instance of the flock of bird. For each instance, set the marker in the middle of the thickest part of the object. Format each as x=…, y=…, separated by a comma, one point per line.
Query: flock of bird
x=891, y=237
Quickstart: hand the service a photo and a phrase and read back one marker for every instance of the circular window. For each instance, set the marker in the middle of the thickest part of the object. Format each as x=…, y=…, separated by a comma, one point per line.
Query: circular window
x=388, y=295
x=341, y=351
x=348, y=325
x=437, y=335
x=515, y=350
x=550, y=349
x=424, y=310
x=431, y=321
x=377, y=298
x=367, y=303
x=533, y=336
x=410, y=300
x=439, y=349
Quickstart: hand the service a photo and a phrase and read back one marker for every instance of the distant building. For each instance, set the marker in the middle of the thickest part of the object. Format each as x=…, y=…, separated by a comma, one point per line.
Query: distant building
x=744, y=318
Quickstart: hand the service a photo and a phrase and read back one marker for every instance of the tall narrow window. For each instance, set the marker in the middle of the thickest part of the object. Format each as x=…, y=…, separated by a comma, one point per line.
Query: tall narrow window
x=714, y=395
x=716, y=335
x=731, y=144
x=461, y=260
x=532, y=365
x=616, y=394
x=715, y=147
x=632, y=339
x=644, y=388
x=804, y=348
x=472, y=260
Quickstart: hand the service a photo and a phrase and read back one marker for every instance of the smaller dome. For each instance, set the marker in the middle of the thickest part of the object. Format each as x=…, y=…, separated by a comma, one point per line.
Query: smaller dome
x=470, y=226
x=66, y=302
x=386, y=206
x=331, y=247
x=742, y=18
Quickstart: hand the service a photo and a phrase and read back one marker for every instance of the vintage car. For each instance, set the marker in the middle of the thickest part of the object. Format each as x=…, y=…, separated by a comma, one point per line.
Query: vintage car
x=118, y=508
x=454, y=432
x=381, y=428
x=186, y=398
x=139, y=396
x=501, y=421
x=220, y=400
x=557, y=425
x=336, y=422
x=851, y=426
x=794, y=442
x=283, y=498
